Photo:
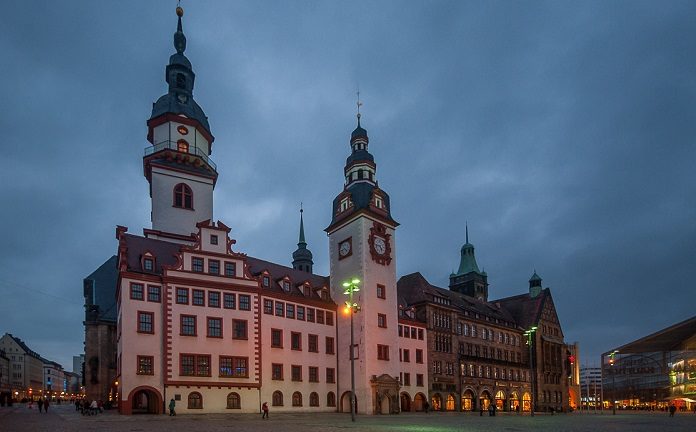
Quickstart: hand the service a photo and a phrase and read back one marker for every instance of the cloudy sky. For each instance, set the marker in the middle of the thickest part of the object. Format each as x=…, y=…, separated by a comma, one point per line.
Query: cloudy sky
x=563, y=132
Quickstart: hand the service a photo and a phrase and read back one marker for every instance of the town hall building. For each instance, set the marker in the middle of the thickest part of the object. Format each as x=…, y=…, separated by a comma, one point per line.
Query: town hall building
x=188, y=316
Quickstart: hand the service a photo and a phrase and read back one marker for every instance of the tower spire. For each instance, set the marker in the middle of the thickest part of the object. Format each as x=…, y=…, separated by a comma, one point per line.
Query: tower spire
x=302, y=237
x=467, y=231
x=302, y=257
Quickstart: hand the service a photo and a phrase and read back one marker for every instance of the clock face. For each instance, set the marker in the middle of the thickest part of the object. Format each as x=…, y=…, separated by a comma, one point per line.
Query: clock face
x=345, y=248
x=380, y=245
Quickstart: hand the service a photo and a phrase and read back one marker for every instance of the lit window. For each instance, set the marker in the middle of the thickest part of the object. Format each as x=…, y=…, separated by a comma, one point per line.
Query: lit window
x=145, y=365
x=182, y=146
x=183, y=130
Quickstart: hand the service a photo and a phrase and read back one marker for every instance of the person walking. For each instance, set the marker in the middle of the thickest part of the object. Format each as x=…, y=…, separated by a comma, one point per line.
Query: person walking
x=426, y=406
x=264, y=408
x=46, y=404
x=172, y=405
x=672, y=410
x=40, y=404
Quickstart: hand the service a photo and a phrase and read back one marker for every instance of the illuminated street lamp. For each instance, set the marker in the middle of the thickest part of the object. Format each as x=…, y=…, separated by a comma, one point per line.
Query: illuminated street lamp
x=352, y=308
x=613, y=382
x=529, y=333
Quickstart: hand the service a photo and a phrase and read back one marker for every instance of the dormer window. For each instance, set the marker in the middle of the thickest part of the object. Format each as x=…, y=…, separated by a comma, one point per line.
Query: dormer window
x=378, y=202
x=213, y=239
x=324, y=294
x=148, y=264
x=266, y=281
x=344, y=204
x=286, y=286
x=307, y=291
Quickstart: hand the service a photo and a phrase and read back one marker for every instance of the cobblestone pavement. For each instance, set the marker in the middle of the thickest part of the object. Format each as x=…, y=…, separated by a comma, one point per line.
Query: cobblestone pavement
x=64, y=418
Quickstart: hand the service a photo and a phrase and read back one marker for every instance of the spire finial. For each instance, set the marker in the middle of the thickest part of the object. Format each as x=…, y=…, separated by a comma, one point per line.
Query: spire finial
x=359, y=104
x=302, y=236
x=179, y=38
x=467, y=231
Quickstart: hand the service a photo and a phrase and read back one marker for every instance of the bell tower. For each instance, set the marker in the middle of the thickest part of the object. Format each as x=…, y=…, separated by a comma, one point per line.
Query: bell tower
x=177, y=164
x=362, y=246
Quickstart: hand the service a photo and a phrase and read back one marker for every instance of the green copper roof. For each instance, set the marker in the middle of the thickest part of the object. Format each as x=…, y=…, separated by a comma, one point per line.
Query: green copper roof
x=535, y=277
x=467, y=264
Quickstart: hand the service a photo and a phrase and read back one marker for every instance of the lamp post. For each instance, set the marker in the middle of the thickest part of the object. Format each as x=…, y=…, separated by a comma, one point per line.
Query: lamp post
x=352, y=308
x=613, y=382
x=530, y=333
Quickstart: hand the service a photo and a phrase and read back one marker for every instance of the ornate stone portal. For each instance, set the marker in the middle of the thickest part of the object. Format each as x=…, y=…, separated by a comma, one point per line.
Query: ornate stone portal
x=386, y=391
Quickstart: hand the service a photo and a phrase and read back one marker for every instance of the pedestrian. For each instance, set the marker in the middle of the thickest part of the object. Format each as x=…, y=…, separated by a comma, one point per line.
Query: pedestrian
x=46, y=404
x=93, y=407
x=100, y=406
x=78, y=404
x=172, y=405
x=672, y=410
x=40, y=404
x=426, y=405
x=264, y=408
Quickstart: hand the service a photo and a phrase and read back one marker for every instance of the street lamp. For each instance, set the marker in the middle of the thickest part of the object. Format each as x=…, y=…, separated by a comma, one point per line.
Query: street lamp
x=530, y=333
x=613, y=382
x=352, y=308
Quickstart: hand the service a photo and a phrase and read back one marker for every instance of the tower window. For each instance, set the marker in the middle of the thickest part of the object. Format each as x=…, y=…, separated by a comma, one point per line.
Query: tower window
x=181, y=80
x=183, y=196
x=182, y=146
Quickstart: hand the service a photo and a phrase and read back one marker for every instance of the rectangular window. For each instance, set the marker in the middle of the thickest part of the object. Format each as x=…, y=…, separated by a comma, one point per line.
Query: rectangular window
x=234, y=367
x=300, y=313
x=277, y=371
x=198, y=297
x=320, y=316
x=310, y=314
x=230, y=269
x=401, y=330
x=214, y=267
x=329, y=318
x=413, y=332
x=381, y=291
x=136, y=291
x=382, y=352
x=145, y=322
x=154, y=294
x=148, y=264
x=290, y=311
x=407, y=379
x=182, y=295
x=266, y=281
x=187, y=365
x=214, y=299
x=313, y=343
x=188, y=325
x=296, y=372
x=419, y=380
x=419, y=356
x=296, y=341
x=203, y=365
x=381, y=320
x=215, y=327
x=313, y=374
x=329, y=345
x=229, y=301
x=197, y=264
x=213, y=239
x=244, y=302
x=268, y=306
x=276, y=338
x=330, y=375
x=239, y=329
x=407, y=356
x=279, y=309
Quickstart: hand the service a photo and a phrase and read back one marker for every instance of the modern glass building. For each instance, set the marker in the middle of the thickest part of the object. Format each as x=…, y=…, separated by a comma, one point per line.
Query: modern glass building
x=653, y=372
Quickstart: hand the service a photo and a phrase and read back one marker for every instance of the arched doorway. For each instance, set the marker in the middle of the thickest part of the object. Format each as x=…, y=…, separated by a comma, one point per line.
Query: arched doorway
x=514, y=401
x=526, y=402
x=484, y=400
x=436, y=402
x=449, y=406
x=405, y=402
x=145, y=400
x=500, y=399
x=468, y=401
x=345, y=402
x=419, y=402
x=384, y=403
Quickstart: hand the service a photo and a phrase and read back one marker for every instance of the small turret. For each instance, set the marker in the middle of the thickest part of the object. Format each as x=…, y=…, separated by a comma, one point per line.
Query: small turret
x=534, y=285
x=302, y=257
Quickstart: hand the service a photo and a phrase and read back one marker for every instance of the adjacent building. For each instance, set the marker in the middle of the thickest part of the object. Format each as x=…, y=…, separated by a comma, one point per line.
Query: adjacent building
x=5, y=390
x=25, y=368
x=180, y=313
x=591, y=387
x=54, y=385
x=653, y=371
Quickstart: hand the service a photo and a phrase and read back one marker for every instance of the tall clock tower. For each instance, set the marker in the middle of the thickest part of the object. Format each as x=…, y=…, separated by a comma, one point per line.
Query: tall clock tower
x=362, y=246
x=177, y=164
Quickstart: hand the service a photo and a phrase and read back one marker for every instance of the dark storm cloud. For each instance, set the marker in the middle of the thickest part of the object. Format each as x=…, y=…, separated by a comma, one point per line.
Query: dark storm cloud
x=562, y=132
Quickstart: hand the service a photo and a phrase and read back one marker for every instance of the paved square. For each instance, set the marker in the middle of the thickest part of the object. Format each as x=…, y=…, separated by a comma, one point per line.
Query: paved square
x=64, y=418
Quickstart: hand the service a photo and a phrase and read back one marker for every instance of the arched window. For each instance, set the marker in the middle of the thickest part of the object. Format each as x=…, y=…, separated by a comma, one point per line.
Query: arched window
x=195, y=401
x=277, y=399
x=182, y=146
x=234, y=401
x=331, y=399
x=313, y=399
x=183, y=196
x=297, y=399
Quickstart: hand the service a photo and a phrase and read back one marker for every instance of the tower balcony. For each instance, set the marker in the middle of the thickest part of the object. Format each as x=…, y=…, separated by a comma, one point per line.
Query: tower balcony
x=185, y=152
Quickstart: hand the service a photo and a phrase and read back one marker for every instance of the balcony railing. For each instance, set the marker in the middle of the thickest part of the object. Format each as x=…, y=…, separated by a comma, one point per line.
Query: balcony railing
x=173, y=145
